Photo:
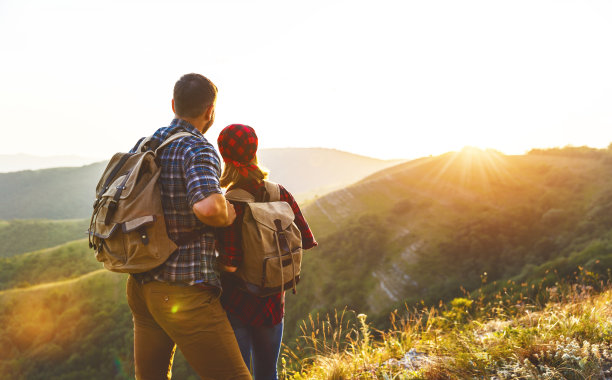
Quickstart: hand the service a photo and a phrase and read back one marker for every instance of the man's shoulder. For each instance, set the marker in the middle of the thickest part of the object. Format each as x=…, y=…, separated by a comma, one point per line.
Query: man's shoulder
x=188, y=144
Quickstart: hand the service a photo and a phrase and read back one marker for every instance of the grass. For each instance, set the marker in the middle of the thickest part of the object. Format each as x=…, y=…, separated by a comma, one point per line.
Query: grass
x=560, y=332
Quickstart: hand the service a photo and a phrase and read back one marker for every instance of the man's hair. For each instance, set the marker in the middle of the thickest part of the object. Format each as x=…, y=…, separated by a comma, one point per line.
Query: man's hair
x=193, y=94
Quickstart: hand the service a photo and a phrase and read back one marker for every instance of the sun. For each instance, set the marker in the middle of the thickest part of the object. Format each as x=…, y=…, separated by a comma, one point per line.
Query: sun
x=473, y=167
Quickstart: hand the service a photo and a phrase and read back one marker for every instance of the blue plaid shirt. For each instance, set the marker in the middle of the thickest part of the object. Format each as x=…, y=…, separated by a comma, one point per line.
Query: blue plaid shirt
x=190, y=170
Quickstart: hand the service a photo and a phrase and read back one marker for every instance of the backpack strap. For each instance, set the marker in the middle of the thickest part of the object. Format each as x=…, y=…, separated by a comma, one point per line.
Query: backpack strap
x=273, y=190
x=239, y=195
x=142, y=145
x=175, y=136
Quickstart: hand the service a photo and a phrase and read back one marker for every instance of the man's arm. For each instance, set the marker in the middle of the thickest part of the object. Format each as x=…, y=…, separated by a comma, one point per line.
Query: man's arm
x=215, y=211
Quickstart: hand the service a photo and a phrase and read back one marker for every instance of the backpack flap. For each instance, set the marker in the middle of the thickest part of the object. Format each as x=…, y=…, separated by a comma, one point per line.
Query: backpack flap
x=265, y=214
x=103, y=231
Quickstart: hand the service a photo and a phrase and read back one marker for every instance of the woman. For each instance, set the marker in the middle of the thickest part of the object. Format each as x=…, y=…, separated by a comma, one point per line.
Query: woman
x=257, y=321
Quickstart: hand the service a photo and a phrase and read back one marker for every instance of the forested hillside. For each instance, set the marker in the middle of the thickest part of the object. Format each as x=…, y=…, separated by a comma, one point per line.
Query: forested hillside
x=20, y=236
x=66, y=261
x=423, y=230
x=61, y=193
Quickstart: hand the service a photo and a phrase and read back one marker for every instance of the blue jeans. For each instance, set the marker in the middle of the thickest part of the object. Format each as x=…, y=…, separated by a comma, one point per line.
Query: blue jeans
x=259, y=346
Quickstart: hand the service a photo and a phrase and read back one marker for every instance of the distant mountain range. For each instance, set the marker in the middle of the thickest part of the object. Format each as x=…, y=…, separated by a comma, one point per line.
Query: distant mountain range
x=18, y=162
x=66, y=193
x=311, y=172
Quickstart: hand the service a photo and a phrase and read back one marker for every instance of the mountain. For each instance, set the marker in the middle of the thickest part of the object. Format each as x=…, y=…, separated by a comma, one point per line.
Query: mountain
x=60, y=193
x=312, y=172
x=19, y=162
x=426, y=229
x=68, y=193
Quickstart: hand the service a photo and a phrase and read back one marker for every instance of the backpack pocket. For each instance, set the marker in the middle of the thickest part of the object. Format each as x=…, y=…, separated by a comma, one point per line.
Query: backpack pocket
x=133, y=246
x=288, y=264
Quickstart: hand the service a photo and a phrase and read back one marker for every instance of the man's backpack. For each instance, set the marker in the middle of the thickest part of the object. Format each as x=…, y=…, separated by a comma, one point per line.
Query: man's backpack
x=127, y=229
x=271, y=242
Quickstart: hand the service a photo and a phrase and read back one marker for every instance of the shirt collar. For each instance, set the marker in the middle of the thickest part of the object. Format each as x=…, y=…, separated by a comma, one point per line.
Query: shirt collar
x=186, y=126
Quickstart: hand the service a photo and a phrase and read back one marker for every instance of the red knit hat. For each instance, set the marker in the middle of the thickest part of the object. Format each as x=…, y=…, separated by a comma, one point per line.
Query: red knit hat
x=238, y=145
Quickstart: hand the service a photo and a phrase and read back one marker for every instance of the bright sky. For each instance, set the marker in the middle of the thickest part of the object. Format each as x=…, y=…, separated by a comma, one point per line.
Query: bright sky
x=387, y=79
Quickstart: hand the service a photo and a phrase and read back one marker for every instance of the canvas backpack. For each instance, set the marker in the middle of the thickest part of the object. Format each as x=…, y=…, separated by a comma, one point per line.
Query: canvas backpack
x=127, y=229
x=271, y=242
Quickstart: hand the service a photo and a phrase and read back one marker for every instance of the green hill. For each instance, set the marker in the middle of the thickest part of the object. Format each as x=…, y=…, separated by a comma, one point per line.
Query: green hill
x=61, y=193
x=75, y=329
x=66, y=261
x=20, y=236
x=426, y=229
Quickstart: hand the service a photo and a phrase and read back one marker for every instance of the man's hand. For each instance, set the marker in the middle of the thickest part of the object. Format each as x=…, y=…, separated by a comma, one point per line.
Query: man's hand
x=227, y=268
x=215, y=211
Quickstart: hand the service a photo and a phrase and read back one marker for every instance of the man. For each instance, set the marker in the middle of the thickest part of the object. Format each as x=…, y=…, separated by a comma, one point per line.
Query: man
x=177, y=304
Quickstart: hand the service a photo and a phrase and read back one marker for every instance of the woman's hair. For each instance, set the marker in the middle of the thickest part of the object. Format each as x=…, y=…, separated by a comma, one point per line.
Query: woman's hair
x=231, y=175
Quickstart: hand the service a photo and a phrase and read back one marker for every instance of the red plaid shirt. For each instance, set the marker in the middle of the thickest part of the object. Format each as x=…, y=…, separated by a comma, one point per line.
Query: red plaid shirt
x=250, y=309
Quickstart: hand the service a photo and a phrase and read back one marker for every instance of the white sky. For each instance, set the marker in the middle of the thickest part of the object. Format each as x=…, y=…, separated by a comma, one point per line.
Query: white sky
x=386, y=79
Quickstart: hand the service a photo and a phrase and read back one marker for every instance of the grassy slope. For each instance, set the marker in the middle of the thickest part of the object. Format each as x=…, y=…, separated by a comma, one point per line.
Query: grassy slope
x=568, y=335
x=75, y=329
x=20, y=236
x=65, y=261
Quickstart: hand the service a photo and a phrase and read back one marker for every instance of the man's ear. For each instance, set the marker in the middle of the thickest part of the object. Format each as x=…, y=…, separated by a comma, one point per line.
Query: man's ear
x=209, y=111
x=173, y=111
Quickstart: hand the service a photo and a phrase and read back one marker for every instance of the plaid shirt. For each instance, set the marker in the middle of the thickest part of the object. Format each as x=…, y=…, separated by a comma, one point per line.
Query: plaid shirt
x=190, y=170
x=250, y=309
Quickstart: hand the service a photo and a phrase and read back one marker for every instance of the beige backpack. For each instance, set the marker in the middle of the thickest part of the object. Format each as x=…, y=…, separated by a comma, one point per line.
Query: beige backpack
x=127, y=229
x=271, y=242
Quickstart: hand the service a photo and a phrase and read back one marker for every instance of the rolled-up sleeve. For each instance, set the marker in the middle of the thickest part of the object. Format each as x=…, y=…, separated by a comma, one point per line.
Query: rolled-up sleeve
x=202, y=170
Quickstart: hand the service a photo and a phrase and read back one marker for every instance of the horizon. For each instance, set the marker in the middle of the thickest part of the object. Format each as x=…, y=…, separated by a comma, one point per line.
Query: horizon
x=393, y=80
x=79, y=161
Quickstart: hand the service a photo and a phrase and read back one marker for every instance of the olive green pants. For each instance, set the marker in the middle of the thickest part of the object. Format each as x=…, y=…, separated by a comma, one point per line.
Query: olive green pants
x=192, y=318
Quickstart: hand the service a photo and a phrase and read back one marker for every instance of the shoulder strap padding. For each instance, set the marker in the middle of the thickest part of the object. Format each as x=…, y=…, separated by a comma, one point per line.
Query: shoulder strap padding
x=145, y=140
x=273, y=190
x=172, y=138
x=239, y=195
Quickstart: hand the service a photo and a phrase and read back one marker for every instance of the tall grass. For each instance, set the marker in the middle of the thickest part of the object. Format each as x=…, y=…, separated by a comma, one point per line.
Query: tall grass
x=523, y=331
